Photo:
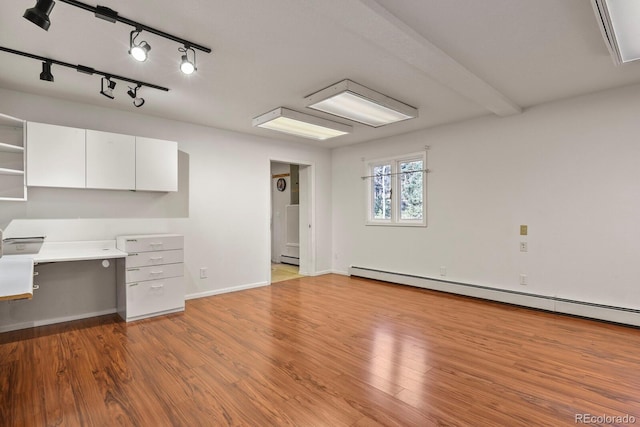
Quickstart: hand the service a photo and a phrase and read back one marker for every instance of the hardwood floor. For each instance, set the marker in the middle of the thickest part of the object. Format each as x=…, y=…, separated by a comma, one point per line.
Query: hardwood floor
x=322, y=351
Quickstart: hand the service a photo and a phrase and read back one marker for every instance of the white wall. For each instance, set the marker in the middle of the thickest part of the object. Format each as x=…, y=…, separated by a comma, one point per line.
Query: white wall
x=222, y=208
x=569, y=170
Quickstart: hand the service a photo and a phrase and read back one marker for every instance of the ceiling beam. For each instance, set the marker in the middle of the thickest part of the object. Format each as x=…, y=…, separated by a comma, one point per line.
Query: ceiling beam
x=369, y=20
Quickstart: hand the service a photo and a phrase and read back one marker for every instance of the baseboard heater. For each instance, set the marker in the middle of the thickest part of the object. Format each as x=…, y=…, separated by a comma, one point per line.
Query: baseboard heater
x=286, y=259
x=608, y=313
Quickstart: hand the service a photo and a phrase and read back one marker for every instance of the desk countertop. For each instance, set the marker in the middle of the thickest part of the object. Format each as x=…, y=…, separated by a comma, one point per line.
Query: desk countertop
x=16, y=271
x=77, y=251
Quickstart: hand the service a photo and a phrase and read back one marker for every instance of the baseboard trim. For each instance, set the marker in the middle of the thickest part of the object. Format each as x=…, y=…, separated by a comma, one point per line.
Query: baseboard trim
x=321, y=273
x=45, y=322
x=608, y=313
x=213, y=292
x=340, y=272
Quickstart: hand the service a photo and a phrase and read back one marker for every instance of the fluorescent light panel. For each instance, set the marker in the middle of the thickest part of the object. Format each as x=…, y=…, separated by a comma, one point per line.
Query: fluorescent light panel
x=358, y=103
x=619, y=20
x=299, y=124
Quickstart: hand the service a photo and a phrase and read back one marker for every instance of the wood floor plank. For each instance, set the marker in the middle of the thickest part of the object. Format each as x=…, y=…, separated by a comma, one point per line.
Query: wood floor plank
x=318, y=351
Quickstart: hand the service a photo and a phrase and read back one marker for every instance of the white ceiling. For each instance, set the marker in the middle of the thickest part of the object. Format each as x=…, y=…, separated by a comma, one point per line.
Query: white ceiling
x=452, y=59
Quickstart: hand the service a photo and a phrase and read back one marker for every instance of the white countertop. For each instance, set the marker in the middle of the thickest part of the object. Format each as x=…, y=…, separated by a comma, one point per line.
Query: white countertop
x=16, y=271
x=77, y=251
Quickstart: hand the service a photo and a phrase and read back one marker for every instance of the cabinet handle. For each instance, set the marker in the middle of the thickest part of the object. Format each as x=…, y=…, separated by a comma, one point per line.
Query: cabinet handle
x=156, y=272
x=133, y=254
x=159, y=286
x=133, y=269
x=158, y=258
x=155, y=244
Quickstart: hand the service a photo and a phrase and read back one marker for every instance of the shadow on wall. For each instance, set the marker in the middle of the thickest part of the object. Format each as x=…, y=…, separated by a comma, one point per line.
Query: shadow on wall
x=71, y=203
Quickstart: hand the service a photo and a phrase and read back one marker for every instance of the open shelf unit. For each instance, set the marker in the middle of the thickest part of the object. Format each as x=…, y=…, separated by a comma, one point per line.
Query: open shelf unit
x=12, y=159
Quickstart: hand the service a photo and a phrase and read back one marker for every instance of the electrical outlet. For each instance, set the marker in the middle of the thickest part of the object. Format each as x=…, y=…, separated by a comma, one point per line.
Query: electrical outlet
x=443, y=270
x=203, y=273
x=523, y=280
x=524, y=247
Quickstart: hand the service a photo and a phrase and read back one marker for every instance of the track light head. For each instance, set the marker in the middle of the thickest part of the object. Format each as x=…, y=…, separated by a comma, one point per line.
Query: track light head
x=186, y=66
x=139, y=51
x=46, y=72
x=107, y=86
x=133, y=92
x=39, y=14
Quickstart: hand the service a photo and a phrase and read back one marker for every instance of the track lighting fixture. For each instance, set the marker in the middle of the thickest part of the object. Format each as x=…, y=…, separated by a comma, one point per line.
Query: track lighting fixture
x=133, y=92
x=107, y=83
x=139, y=51
x=39, y=14
x=186, y=66
x=107, y=86
x=46, y=72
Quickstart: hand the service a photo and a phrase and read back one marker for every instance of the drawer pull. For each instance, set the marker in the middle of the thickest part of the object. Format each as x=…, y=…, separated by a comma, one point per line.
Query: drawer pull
x=157, y=286
x=156, y=272
x=133, y=254
x=155, y=244
x=133, y=269
x=158, y=258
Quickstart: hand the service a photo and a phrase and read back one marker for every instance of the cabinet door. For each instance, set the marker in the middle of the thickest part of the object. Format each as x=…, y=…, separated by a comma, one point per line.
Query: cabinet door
x=55, y=156
x=111, y=161
x=156, y=164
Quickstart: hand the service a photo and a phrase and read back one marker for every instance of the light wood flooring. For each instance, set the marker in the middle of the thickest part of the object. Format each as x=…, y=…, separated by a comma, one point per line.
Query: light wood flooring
x=322, y=351
x=282, y=272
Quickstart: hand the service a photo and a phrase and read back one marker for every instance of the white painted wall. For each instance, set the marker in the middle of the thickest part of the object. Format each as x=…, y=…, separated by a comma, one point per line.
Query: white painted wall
x=570, y=170
x=222, y=207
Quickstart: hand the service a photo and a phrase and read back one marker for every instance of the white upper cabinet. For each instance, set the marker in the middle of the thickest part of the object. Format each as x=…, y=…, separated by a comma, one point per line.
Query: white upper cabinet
x=55, y=156
x=156, y=164
x=111, y=161
x=59, y=156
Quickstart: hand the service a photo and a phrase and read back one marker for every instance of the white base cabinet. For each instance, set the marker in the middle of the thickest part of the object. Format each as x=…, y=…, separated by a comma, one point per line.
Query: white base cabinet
x=150, y=279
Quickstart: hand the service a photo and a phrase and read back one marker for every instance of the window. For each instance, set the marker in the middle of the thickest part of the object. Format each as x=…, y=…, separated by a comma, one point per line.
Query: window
x=396, y=191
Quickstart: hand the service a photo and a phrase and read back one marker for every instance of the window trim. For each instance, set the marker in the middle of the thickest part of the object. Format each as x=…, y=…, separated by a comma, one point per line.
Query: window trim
x=395, y=220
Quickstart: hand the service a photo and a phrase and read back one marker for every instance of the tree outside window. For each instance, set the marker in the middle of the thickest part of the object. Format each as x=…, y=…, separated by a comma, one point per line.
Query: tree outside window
x=397, y=191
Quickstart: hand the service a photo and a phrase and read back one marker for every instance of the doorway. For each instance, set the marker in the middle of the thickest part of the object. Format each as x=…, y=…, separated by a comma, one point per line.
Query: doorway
x=290, y=220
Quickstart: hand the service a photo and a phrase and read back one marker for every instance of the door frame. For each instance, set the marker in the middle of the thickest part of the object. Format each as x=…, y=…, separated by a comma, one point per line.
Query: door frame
x=307, y=216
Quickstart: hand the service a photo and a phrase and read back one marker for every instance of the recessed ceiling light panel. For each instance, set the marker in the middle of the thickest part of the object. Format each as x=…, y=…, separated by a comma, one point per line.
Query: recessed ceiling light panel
x=358, y=103
x=300, y=124
x=618, y=21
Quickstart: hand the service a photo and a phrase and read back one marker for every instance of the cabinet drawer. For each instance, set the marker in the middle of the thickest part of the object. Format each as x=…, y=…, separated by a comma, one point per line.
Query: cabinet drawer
x=154, y=272
x=160, y=242
x=144, y=259
x=145, y=298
